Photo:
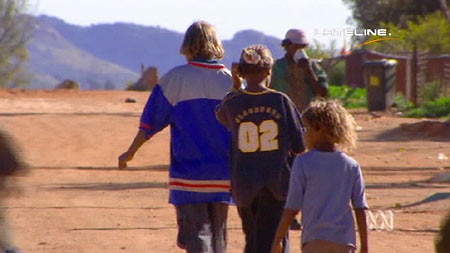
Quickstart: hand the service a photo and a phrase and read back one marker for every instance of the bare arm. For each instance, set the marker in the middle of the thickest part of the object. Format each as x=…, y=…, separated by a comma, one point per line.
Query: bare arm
x=139, y=139
x=220, y=116
x=283, y=228
x=362, y=228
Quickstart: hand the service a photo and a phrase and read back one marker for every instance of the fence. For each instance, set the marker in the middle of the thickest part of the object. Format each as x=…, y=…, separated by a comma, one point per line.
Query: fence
x=413, y=72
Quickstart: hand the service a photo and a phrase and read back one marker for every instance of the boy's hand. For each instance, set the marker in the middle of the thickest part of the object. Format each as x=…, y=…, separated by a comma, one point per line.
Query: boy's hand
x=124, y=158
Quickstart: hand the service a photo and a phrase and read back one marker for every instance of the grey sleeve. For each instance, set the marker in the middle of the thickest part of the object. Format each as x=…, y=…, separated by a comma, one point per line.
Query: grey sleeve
x=297, y=185
x=358, y=193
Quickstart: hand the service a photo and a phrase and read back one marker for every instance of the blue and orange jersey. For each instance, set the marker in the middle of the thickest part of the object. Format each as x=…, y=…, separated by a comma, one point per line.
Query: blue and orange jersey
x=185, y=99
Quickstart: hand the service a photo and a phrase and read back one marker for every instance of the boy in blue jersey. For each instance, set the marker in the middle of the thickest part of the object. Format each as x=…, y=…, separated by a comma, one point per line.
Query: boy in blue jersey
x=185, y=99
x=325, y=184
x=266, y=131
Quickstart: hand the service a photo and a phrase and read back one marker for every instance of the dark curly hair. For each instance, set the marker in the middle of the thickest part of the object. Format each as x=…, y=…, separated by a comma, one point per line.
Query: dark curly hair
x=338, y=123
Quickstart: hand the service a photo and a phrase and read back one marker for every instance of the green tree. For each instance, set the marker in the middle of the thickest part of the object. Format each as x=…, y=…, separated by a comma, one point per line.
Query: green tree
x=430, y=33
x=15, y=32
x=318, y=50
x=369, y=14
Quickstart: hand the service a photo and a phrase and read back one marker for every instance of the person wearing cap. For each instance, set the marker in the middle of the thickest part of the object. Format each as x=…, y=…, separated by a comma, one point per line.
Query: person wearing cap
x=296, y=75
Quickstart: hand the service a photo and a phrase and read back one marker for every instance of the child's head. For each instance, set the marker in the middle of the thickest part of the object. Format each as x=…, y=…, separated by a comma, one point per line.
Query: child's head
x=327, y=121
x=201, y=42
x=255, y=59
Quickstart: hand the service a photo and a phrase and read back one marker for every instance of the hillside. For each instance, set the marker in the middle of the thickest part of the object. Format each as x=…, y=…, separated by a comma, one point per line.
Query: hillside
x=114, y=53
x=53, y=58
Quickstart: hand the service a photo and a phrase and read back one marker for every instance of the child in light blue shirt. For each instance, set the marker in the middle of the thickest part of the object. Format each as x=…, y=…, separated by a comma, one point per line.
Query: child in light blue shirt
x=326, y=184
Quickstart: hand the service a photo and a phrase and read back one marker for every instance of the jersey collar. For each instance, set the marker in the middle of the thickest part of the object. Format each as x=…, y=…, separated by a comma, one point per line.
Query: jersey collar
x=210, y=64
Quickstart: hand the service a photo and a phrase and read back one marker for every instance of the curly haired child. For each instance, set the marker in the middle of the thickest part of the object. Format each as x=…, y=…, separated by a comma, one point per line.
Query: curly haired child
x=266, y=132
x=324, y=182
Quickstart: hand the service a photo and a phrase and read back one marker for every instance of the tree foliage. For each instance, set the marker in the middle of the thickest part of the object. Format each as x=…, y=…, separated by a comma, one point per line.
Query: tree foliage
x=430, y=33
x=369, y=13
x=424, y=24
x=15, y=32
x=318, y=50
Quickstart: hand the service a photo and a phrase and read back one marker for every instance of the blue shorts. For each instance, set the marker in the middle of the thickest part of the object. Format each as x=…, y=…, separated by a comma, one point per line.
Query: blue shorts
x=202, y=228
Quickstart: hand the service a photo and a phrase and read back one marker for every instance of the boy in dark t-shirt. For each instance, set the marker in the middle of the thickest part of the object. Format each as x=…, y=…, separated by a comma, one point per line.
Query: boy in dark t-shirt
x=266, y=133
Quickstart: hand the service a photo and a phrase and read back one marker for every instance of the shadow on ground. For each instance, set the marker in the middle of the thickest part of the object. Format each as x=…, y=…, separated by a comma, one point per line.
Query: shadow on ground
x=435, y=197
x=423, y=130
x=158, y=167
x=109, y=186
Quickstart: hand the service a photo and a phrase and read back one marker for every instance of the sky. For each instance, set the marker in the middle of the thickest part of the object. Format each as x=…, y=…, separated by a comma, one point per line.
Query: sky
x=272, y=17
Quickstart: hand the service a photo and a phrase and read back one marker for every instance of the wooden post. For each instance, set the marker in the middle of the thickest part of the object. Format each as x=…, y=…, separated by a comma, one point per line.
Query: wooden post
x=414, y=74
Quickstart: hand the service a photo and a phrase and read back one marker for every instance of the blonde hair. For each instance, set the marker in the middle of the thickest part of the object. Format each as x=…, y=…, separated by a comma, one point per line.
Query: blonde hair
x=255, y=59
x=338, y=124
x=201, y=42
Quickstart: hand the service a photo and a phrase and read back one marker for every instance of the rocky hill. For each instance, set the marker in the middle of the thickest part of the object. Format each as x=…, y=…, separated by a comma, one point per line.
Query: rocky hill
x=107, y=56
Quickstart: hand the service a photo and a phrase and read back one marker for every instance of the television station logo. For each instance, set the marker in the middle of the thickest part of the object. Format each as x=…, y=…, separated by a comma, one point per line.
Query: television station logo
x=382, y=33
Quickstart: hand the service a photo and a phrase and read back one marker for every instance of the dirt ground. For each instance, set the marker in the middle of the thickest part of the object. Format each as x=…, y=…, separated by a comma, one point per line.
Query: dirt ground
x=74, y=200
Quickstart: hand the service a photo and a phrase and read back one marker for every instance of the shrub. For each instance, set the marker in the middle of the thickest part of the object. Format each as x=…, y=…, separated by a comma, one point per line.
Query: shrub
x=349, y=96
x=337, y=74
x=402, y=103
x=430, y=91
x=431, y=109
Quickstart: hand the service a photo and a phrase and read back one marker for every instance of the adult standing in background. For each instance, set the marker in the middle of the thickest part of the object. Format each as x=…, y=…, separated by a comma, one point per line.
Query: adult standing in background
x=185, y=98
x=296, y=75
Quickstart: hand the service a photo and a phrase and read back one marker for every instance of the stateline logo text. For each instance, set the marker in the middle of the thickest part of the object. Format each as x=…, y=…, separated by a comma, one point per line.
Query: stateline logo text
x=381, y=32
